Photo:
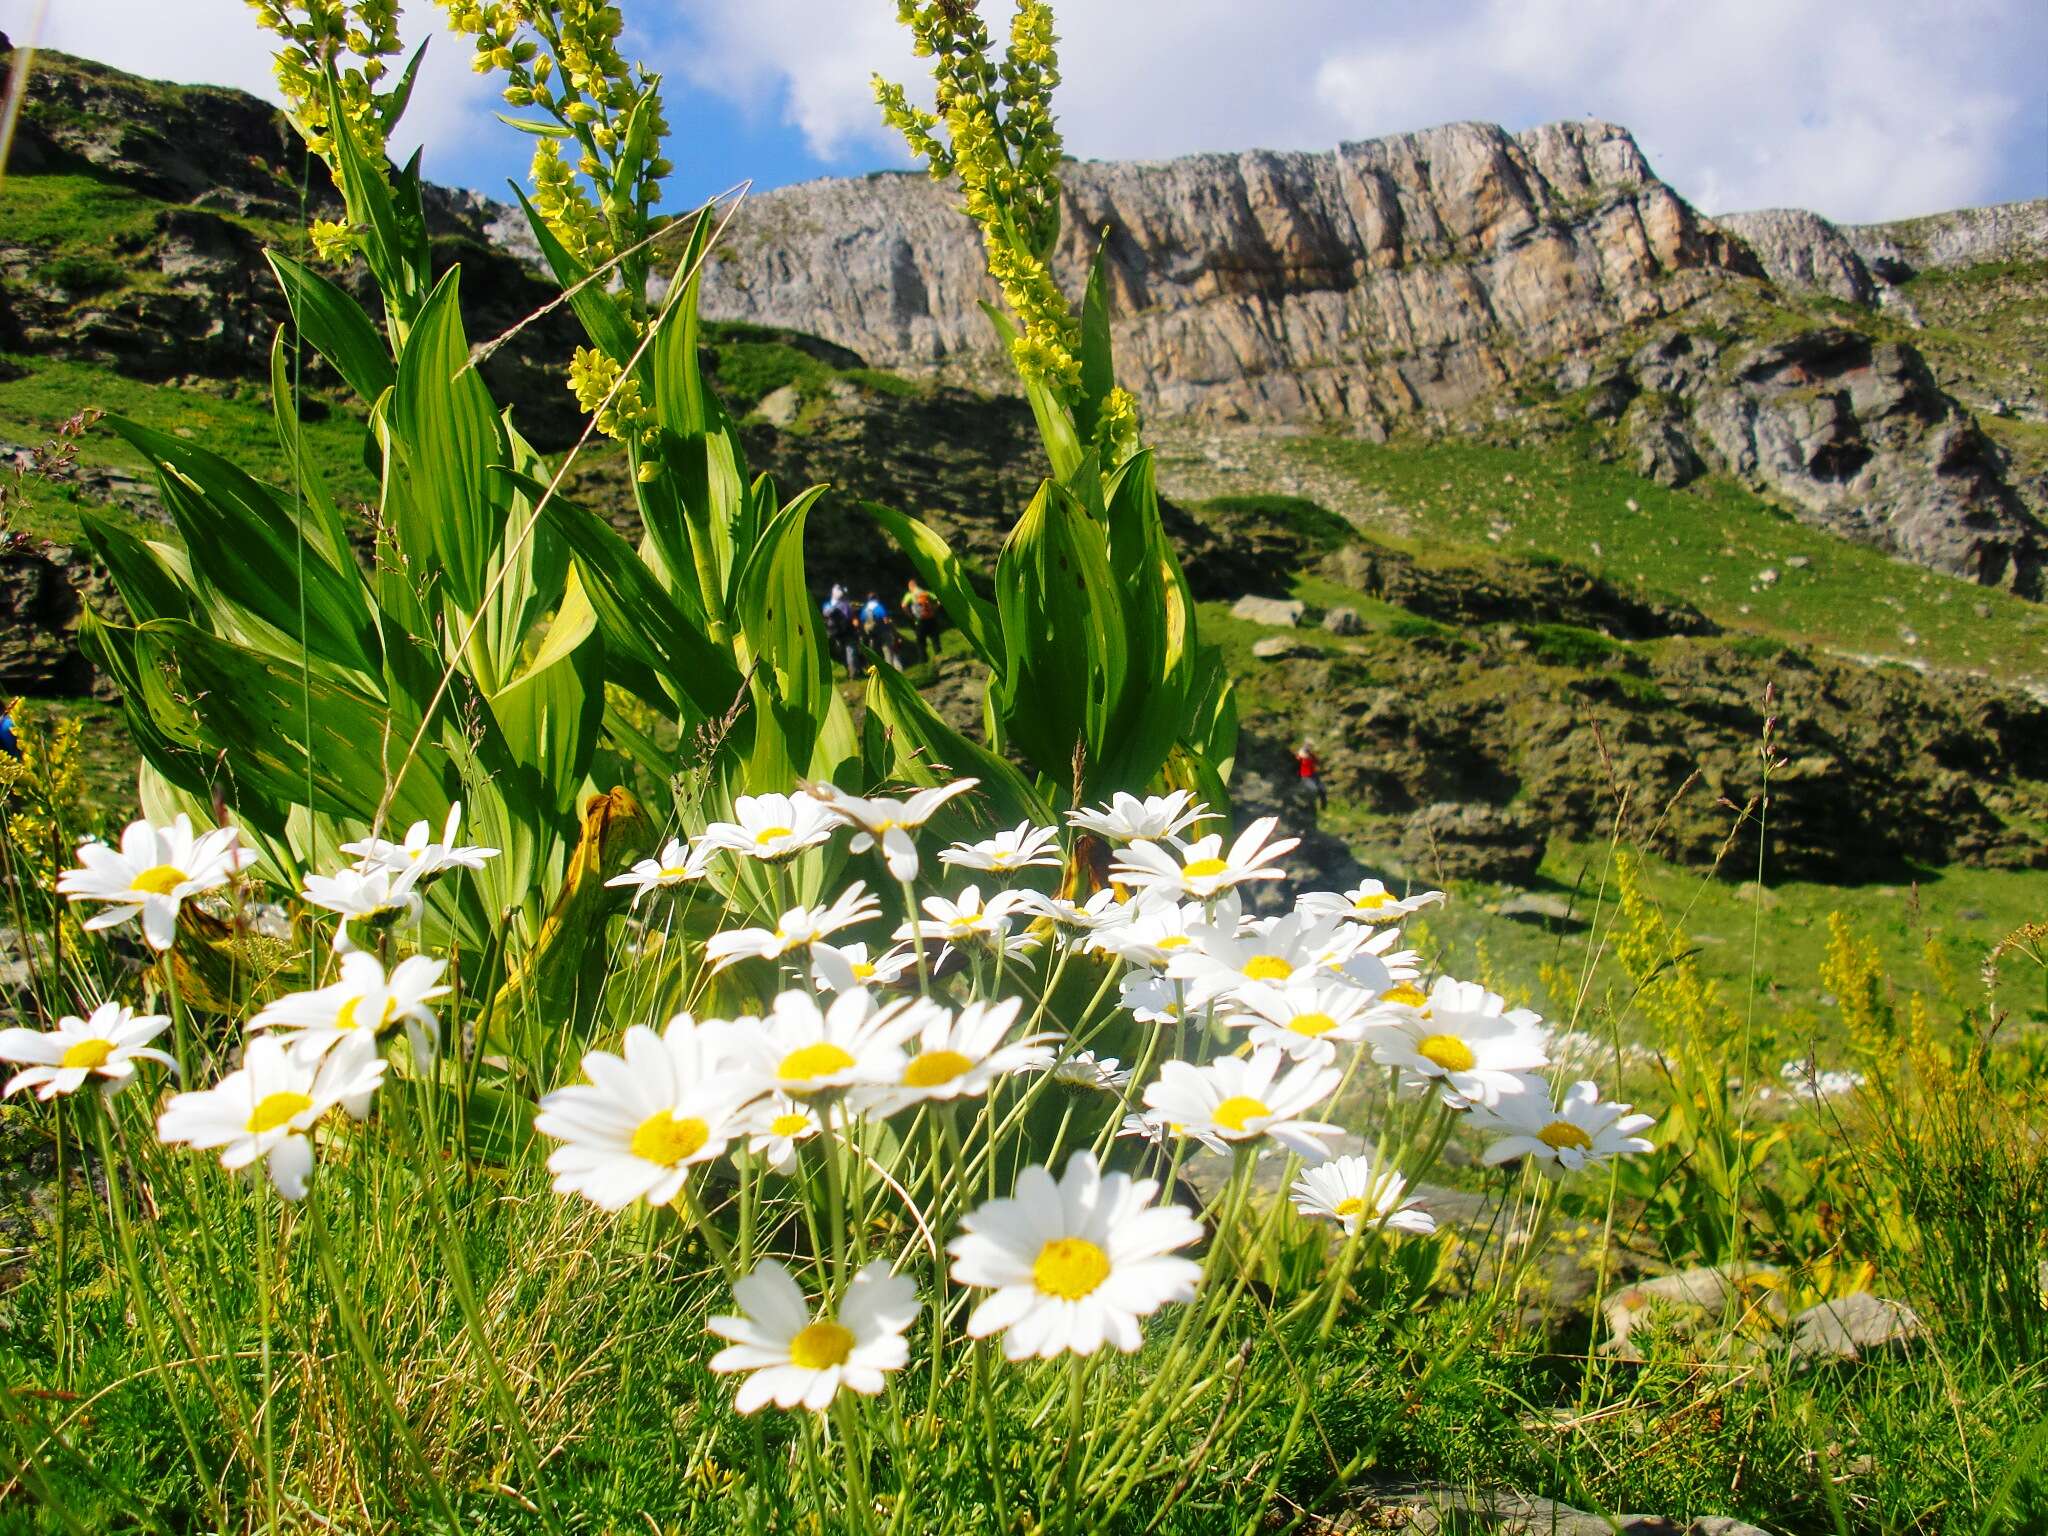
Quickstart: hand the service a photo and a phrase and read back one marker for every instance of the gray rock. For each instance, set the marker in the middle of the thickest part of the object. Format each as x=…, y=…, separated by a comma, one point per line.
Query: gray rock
x=1449, y=841
x=1537, y=906
x=1695, y=1302
x=1852, y=1325
x=1798, y=562
x=1798, y=249
x=1442, y=1510
x=1283, y=648
x=1343, y=621
x=780, y=407
x=1664, y=453
x=1281, y=612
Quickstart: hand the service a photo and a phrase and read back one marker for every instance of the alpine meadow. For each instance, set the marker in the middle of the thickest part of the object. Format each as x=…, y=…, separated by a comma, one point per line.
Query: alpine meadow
x=1429, y=914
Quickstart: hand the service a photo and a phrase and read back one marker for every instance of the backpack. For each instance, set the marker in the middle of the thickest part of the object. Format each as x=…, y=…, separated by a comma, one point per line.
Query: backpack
x=922, y=604
x=838, y=621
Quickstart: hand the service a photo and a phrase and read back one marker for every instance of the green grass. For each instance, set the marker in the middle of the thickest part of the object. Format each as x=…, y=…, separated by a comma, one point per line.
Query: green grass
x=235, y=422
x=1707, y=544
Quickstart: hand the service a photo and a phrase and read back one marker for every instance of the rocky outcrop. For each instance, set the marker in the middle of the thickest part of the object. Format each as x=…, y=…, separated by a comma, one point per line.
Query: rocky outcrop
x=42, y=597
x=1798, y=249
x=1865, y=263
x=1382, y=279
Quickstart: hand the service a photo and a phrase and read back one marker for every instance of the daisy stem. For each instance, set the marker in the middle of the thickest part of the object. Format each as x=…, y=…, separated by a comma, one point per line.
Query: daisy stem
x=1070, y=1460
x=63, y=1319
x=846, y=1414
x=152, y=1345
x=835, y=1204
x=264, y=1303
x=380, y=1383
x=700, y=1219
x=924, y=972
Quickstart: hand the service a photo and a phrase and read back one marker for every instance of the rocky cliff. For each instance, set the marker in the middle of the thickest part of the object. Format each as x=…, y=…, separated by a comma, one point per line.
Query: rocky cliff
x=1404, y=283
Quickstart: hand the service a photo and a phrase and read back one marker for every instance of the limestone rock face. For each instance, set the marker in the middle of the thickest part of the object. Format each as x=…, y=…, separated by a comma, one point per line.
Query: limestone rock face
x=1798, y=249
x=1412, y=273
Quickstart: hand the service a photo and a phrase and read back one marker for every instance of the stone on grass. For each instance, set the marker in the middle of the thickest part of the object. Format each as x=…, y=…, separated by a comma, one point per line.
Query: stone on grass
x=1443, y=1510
x=1476, y=841
x=1279, y=612
x=1343, y=621
x=1694, y=1303
x=1852, y=1325
x=780, y=407
x=1283, y=648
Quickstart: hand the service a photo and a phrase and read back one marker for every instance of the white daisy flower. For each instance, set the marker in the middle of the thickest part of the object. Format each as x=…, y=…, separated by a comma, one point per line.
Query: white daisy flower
x=800, y=1359
x=799, y=928
x=775, y=1125
x=1021, y=847
x=645, y=1119
x=960, y=1056
x=363, y=998
x=678, y=865
x=1150, y=930
x=1216, y=961
x=421, y=853
x=1127, y=819
x=1202, y=869
x=770, y=827
x=1369, y=956
x=376, y=897
x=1307, y=1017
x=155, y=870
x=1352, y=1193
x=1466, y=1039
x=888, y=823
x=107, y=1045
x=1371, y=903
x=1074, y=1264
x=1152, y=999
x=1240, y=1098
x=1084, y=1069
x=1150, y=1126
x=842, y=967
x=1579, y=1131
x=966, y=918
x=268, y=1107
x=800, y=1049
x=1077, y=919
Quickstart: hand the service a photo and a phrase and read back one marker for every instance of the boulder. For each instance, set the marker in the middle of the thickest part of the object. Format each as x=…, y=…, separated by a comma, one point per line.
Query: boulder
x=1852, y=1325
x=1663, y=451
x=1696, y=1303
x=1284, y=648
x=1448, y=1510
x=1449, y=841
x=1343, y=621
x=1278, y=612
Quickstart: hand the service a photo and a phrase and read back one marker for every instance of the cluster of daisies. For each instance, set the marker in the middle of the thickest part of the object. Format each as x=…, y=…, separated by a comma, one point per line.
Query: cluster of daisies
x=1258, y=1023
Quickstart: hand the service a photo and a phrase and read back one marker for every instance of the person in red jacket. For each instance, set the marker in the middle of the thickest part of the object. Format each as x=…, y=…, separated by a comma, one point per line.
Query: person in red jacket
x=1310, y=770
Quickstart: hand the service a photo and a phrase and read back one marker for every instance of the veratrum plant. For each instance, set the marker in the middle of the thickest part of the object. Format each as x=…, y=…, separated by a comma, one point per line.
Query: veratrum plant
x=1096, y=673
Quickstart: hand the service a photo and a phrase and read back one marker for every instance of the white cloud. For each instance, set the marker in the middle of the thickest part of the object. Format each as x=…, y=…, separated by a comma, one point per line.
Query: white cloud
x=1879, y=110
x=217, y=42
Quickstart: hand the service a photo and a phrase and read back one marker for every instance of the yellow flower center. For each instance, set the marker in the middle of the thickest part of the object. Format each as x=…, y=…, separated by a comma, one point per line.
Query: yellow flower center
x=1069, y=1268
x=277, y=1108
x=346, y=1018
x=1202, y=869
x=928, y=1069
x=1447, y=1051
x=1175, y=941
x=1314, y=1025
x=675, y=872
x=1348, y=1207
x=87, y=1054
x=1405, y=995
x=863, y=970
x=791, y=1124
x=159, y=880
x=1267, y=968
x=668, y=1139
x=1560, y=1134
x=769, y=835
x=1372, y=902
x=1239, y=1110
x=813, y=1061
x=820, y=1346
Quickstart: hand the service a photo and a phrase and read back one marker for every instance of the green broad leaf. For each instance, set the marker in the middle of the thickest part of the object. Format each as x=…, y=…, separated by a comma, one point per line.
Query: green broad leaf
x=525, y=578
x=678, y=393
x=321, y=519
x=1098, y=371
x=538, y=130
x=401, y=94
x=395, y=255
x=638, y=619
x=909, y=743
x=260, y=578
x=147, y=575
x=174, y=752
x=1159, y=633
x=445, y=436
x=1055, y=422
x=716, y=509
x=941, y=570
x=778, y=629
x=336, y=326
x=1063, y=633
x=295, y=736
x=604, y=322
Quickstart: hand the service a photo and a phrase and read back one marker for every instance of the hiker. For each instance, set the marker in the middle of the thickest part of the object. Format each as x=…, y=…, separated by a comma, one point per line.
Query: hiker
x=842, y=634
x=926, y=617
x=879, y=630
x=1309, y=768
x=8, y=744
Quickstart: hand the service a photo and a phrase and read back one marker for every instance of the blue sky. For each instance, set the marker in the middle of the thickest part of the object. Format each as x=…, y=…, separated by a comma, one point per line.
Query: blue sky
x=1879, y=110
